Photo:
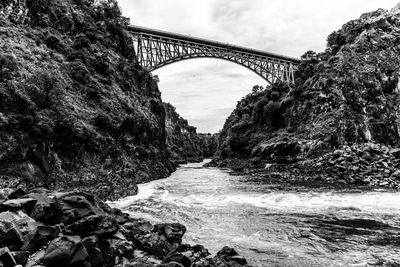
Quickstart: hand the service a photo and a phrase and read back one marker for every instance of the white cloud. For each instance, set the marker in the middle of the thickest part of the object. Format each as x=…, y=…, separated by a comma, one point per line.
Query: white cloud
x=205, y=91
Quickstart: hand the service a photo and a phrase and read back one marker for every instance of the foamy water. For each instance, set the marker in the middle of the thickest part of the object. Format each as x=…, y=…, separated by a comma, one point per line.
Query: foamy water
x=274, y=227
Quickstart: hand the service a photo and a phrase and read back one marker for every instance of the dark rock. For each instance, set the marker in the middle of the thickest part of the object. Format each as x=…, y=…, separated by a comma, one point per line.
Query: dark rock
x=46, y=209
x=136, y=230
x=100, y=225
x=156, y=245
x=17, y=194
x=10, y=235
x=6, y=258
x=26, y=204
x=61, y=250
x=172, y=231
x=39, y=237
x=227, y=251
x=239, y=259
x=109, y=251
x=179, y=258
x=21, y=257
x=80, y=257
x=95, y=256
x=197, y=254
x=229, y=257
x=121, y=248
x=75, y=206
x=24, y=223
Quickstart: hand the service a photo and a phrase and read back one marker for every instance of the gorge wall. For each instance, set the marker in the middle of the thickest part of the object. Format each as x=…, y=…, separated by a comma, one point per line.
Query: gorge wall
x=344, y=96
x=183, y=141
x=76, y=110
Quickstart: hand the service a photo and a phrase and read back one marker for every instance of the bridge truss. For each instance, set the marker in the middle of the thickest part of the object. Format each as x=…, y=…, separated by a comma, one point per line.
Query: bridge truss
x=155, y=49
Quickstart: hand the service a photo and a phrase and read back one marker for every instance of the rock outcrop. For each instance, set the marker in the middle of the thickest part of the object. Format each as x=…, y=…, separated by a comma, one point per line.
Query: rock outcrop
x=348, y=95
x=87, y=232
x=76, y=110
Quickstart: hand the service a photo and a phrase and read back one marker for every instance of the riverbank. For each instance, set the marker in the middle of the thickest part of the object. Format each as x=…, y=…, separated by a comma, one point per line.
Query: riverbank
x=272, y=222
x=369, y=165
x=75, y=229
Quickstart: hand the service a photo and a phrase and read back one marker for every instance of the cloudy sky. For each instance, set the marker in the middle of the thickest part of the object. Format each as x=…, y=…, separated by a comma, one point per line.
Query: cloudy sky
x=205, y=91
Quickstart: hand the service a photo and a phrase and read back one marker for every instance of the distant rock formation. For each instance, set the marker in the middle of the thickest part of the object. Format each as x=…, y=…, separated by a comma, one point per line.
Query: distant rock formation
x=76, y=110
x=347, y=95
x=184, y=143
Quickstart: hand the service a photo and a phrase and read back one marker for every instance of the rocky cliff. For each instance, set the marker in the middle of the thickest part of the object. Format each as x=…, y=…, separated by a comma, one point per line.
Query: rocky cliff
x=346, y=96
x=183, y=141
x=76, y=110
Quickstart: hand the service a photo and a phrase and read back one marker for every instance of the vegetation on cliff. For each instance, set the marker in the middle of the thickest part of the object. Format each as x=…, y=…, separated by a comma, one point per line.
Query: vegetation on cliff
x=76, y=110
x=346, y=95
x=184, y=143
x=339, y=121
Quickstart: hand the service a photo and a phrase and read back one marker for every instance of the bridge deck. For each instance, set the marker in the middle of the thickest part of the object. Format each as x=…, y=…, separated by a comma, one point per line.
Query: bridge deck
x=158, y=33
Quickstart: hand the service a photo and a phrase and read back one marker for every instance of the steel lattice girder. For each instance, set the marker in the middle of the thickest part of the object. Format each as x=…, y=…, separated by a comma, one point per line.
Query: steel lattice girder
x=155, y=49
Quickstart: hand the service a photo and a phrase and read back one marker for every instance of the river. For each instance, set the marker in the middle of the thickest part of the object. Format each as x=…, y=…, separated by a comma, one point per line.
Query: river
x=274, y=225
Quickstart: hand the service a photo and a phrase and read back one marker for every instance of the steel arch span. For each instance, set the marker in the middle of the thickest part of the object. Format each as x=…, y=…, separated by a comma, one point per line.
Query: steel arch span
x=155, y=49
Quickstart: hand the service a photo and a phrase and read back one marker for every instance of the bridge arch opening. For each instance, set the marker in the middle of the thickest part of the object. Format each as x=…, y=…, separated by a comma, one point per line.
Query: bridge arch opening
x=205, y=91
x=180, y=59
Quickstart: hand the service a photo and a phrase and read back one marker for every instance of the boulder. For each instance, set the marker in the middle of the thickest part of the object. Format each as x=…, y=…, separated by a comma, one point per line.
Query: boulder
x=6, y=258
x=179, y=258
x=95, y=256
x=16, y=193
x=172, y=231
x=228, y=255
x=76, y=205
x=24, y=223
x=21, y=257
x=135, y=231
x=10, y=235
x=100, y=225
x=61, y=251
x=197, y=254
x=46, y=209
x=120, y=248
x=80, y=257
x=39, y=237
x=109, y=251
x=25, y=204
x=156, y=245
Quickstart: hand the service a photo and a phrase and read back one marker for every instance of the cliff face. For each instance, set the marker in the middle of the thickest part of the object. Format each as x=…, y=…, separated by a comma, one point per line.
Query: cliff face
x=347, y=95
x=75, y=108
x=184, y=143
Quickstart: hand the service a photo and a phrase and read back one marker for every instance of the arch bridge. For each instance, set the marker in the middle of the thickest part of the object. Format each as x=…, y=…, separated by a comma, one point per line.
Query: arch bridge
x=155, y=49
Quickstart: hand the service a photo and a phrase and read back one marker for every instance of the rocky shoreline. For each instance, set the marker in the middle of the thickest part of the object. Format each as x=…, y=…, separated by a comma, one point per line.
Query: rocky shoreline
x=370, y=165
x=43, y=228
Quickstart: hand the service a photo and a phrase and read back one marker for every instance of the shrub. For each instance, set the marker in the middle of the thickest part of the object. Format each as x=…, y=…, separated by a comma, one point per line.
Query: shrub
x=272, y=116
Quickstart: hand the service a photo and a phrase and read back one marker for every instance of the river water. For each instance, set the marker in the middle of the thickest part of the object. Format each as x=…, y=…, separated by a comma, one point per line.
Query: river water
x=273, y=225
